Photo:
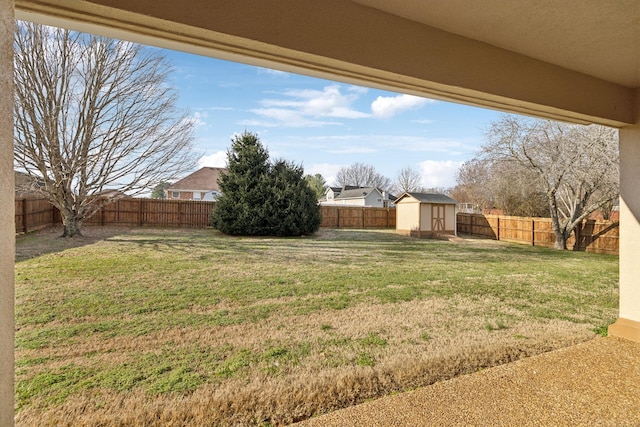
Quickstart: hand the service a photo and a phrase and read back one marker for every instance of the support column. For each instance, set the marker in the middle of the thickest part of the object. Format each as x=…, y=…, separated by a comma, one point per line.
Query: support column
x=628, y=323
x=7, y=214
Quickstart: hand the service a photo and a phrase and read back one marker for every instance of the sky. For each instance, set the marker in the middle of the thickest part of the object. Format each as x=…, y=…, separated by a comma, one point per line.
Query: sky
x=325, y=125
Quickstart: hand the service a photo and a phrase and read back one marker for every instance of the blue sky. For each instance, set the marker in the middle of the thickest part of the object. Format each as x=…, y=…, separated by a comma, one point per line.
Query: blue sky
x=322, y=124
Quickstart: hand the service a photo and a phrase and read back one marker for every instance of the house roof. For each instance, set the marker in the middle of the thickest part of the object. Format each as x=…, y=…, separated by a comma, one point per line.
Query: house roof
x=356, y=193
x=25, y=184
x=22, y=179
x=428, y=198
x=204, y=179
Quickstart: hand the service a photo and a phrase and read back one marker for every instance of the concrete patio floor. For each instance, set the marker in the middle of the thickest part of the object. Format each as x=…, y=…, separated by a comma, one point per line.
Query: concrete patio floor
x=596, y=383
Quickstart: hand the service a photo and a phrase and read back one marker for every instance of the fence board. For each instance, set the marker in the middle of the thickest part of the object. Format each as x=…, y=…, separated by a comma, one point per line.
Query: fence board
x=592, y=236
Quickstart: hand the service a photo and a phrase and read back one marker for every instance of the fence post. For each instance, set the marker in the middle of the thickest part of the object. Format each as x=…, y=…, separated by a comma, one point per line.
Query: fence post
x=140, y=212
x=338, y=209
x=363, y=219
x=533, y=232
x=24, y=214
x=498, y=230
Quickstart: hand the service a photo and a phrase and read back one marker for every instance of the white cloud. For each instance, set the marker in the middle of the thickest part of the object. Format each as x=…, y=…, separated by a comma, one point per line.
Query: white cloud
x=358, y=89
x=198, y=118
x=274, y=73
x=439, y=173
x=353, y=150
x=388, y=106
x=285, y=117
x=215, y=160
x=368, y=143
x=308, y=107
x=329, y=171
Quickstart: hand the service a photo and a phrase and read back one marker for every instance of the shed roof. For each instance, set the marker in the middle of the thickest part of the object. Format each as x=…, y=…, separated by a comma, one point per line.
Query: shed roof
x=429, y=198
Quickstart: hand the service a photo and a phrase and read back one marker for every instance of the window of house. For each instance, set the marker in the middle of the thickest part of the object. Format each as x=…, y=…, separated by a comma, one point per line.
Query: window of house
x=175, y=194
x=196, y=195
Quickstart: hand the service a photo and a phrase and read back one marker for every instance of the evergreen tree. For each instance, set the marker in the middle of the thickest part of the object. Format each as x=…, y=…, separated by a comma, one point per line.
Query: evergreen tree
x=263, y=199
x=158, y=190
x=242, y=187
x=293, y=208
x=317, y=183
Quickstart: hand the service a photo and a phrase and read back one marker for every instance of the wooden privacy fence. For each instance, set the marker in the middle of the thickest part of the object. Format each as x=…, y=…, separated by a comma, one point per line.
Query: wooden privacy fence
x=32, y=214
x=154, y=212
x=357, y=217
x=592, y=236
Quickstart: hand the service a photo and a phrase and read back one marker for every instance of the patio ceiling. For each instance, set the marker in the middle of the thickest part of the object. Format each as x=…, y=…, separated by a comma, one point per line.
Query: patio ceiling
x=594, y=37
x=576, y=60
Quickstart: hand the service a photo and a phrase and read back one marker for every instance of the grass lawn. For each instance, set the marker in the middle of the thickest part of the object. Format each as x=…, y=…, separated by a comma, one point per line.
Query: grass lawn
x=190, y=327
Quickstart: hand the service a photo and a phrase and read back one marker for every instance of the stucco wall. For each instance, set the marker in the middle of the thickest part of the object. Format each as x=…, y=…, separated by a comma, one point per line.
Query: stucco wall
x=630, y=223
x=7, y=218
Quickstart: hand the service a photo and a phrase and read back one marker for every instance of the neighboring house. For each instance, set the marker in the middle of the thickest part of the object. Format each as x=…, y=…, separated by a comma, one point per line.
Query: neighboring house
x=425, y=214
x=357, y=196
x=26, y=186
x=465, y=208
x=200, y=185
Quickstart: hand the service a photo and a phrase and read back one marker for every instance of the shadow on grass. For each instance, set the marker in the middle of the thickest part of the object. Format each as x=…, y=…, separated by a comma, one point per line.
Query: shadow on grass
x=50, y=240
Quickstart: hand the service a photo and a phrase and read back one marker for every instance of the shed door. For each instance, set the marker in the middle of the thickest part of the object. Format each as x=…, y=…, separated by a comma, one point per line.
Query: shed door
x=437, y=218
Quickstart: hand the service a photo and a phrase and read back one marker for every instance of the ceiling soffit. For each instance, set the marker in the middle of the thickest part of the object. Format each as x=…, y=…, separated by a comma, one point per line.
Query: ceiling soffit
x=349, y=42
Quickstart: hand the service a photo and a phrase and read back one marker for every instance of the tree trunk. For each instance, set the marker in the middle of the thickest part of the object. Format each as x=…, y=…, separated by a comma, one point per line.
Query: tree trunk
x=561, y=240
x=72, y=226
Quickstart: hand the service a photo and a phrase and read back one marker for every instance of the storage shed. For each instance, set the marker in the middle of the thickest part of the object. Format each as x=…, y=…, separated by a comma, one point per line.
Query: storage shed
x=425, y=214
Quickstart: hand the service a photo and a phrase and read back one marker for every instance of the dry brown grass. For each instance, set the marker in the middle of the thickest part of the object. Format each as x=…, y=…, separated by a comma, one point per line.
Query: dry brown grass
x=328, y=358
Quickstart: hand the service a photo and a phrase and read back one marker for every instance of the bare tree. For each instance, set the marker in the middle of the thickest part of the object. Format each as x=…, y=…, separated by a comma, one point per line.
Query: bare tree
x=576, y=166
x=473, y=184
x=408, y=180
x=362, y=175
x=93, y=114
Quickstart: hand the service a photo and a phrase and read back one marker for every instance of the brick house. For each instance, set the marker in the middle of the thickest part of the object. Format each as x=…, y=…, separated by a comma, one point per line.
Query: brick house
x=200, y=185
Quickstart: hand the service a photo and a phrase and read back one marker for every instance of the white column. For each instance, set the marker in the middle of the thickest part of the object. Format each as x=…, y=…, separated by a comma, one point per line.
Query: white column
x=7, y=218
x=628, y=323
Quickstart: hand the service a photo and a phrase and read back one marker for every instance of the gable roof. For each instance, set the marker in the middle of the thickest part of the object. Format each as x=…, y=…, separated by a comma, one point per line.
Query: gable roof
x=428, y=198
x=204, y=179
x=356, y=193
x=338, y=190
